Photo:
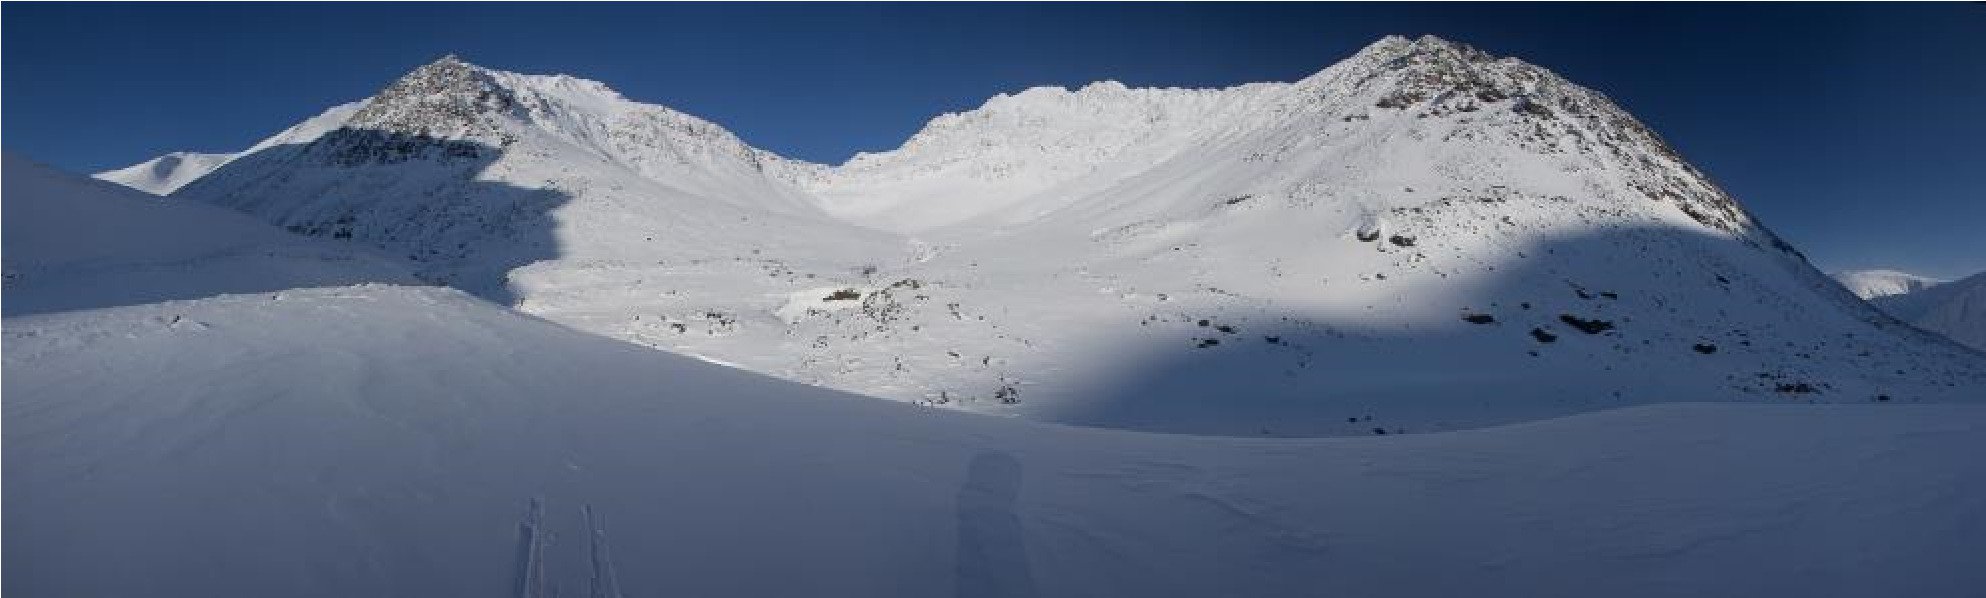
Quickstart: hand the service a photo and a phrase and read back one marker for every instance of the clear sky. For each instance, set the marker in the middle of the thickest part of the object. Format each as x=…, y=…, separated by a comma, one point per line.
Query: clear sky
x=1858, y=131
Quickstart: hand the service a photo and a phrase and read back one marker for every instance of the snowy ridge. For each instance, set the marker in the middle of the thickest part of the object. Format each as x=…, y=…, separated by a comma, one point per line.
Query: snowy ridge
x=475, y=173
x=164, y=174
x=1871, y=284
x=1126, y=257
x=1056, y=146
x=451, y=99
x=1955, y=309
x=1028, y=144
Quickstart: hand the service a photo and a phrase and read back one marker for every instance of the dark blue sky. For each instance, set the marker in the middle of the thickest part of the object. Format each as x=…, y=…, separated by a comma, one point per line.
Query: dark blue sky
x=1858, y=131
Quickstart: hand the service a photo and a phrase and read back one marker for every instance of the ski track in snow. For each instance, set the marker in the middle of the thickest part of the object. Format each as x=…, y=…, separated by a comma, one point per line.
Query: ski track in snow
x=603, y=583
x=711, y=474
x=532, y=540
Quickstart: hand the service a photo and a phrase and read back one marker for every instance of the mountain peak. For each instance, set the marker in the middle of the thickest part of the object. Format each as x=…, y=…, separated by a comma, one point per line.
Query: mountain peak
x=1361, y=210
x=1426, y=48
x=444, y=98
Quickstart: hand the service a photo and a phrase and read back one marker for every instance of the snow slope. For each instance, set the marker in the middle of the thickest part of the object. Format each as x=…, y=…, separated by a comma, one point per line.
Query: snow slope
x=425, y=443
x=476, y=174
x=167, y=173
x=385, y=439
x=1955, y=309
x=73, y=243
x=1871, y=284
x=1421, y=237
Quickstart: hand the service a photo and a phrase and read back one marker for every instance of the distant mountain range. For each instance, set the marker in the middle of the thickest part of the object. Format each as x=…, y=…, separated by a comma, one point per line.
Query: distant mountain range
x=1421, y=237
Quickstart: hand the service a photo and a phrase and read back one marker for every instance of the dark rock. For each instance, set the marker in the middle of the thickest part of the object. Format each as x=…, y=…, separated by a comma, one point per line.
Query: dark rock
x=1584, y=325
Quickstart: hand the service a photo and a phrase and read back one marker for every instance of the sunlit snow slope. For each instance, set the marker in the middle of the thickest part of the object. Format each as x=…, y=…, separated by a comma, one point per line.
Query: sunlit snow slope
x=1420, y=237
x=1871, y=284
x=389, y=440
x=167, y=173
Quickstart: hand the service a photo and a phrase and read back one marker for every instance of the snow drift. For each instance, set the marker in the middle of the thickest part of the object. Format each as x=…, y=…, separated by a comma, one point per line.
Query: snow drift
x=73, y=243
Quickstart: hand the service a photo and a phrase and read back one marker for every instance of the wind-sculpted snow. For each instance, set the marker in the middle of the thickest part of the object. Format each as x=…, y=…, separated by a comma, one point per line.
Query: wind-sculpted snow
x=1420, y=237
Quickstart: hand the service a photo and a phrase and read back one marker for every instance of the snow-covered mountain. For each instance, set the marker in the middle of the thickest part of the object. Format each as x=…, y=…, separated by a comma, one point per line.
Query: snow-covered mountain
x=1955, y=309
x=1870, y=284
x=344, y=437
x=1420, y=237
x=167, y=173
x=476, y=173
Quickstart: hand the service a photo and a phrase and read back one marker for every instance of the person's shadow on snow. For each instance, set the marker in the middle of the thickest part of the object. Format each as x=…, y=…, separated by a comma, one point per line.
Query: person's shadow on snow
x=992, y=554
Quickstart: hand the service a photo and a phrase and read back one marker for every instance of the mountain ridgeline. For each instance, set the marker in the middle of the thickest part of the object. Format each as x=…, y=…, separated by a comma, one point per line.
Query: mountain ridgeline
x=1420, y=237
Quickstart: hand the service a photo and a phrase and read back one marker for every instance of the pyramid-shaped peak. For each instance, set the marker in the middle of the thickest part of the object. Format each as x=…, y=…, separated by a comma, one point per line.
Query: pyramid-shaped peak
x=444, y=97
x=1426, y=47
x=447, y=65
x=449, y=60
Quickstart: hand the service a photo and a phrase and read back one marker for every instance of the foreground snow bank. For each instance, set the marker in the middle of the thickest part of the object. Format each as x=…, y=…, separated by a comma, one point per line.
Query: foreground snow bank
x=75, y=243
x=384, y=440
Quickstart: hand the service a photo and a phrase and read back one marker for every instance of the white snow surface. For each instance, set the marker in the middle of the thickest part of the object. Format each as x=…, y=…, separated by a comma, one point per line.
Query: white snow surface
x=1872, y=284
x=299, y=417
x=399, y=451
x=167, y=173
x=1422, y=237
x=73, y=243
x=391, y=440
